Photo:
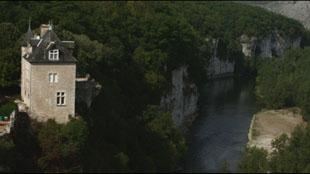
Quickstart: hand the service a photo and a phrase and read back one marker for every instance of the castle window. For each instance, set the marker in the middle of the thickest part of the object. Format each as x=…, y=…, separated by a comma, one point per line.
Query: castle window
x=60, y=99
x=53, y=54
x=53, y=77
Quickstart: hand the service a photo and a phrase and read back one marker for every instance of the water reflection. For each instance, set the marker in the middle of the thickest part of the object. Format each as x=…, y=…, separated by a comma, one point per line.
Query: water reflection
x=220, y=131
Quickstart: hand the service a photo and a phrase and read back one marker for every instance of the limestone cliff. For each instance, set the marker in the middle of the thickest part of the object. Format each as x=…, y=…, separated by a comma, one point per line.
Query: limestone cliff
x=218, y=67
x=182, y=99
x=272, y=45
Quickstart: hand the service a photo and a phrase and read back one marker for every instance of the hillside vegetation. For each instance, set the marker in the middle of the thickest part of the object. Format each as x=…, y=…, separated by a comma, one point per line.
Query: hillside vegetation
x=283, y=83
x=131, y=48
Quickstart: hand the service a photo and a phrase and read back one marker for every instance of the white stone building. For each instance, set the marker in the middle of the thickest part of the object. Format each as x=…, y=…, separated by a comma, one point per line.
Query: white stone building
x=48, y=76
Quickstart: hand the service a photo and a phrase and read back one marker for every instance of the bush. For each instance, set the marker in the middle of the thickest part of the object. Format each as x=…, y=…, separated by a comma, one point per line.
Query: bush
x=7, y=154
x=285, y=82
x=254, y=160
x=7, y=108
x=62, y=146
x=290, y=155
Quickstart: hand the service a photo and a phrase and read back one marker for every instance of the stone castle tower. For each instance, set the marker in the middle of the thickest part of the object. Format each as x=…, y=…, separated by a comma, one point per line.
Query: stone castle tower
x=48, y=76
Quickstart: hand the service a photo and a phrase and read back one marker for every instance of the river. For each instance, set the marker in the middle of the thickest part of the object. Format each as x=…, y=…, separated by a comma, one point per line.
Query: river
x=220, y=131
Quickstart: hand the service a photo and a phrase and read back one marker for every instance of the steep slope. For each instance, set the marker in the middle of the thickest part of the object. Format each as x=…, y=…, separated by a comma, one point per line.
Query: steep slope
x=299, y=10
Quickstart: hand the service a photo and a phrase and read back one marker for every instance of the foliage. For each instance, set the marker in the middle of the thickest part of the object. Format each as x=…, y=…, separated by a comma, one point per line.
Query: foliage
x=61, y=146
x=285, y=82
x=164, y=134
x=224, y=167
x=43, y=147
x=7, y=108
x=291, y=155
x=169, y=34
x=26, y=144
x=305, y=41
x=9, y=58
x=8, y=154
x=130, y=48
x=254, y=160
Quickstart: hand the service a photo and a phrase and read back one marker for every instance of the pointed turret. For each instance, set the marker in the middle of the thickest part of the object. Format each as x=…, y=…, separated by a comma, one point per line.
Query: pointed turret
x=29, y=34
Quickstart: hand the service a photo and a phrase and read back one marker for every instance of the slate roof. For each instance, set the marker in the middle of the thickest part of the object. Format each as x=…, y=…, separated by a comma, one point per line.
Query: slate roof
x=49, y=41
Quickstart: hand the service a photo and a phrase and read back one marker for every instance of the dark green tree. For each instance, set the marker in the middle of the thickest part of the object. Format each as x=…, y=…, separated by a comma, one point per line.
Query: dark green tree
x=62, y=146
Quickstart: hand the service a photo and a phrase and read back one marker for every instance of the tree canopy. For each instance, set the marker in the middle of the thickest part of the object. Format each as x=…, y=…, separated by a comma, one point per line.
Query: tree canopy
x=290, y=155
x=285, y=82
x=130, y=48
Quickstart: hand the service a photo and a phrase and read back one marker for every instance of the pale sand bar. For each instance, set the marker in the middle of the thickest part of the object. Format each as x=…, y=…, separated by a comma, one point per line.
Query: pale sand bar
x=270, y=124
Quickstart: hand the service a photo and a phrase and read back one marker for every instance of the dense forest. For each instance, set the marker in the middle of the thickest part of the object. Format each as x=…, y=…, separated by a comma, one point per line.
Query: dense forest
x=282, y=83
x=289, y=78
x=130, y=48
x=291, y=155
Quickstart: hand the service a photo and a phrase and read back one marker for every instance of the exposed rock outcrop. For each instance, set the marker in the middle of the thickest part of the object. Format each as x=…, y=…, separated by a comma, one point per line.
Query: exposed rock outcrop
x=216, y=66
x=182, y=100
x=272, y=45
x=86, y=90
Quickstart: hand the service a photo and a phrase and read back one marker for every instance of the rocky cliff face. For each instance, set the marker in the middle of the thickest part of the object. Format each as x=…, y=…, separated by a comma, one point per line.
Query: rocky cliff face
x=299, y=10
x=182, y=100
x=272, y=45
x=216, y=66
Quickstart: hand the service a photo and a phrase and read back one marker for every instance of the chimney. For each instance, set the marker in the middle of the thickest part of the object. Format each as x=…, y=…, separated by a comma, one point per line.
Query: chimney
x=44, y=28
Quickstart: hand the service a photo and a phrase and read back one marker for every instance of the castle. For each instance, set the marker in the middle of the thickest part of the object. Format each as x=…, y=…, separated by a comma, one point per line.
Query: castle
x=48, y=76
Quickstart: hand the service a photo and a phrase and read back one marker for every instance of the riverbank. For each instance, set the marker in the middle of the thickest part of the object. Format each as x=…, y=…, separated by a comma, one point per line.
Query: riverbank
x=267, y=125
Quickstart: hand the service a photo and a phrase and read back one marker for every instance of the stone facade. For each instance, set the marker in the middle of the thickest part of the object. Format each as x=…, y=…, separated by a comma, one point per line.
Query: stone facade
x=45, y=99
x=25, y=81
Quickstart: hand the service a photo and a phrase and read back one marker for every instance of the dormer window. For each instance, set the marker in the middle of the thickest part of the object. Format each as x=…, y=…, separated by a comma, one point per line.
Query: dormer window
x=53, y=54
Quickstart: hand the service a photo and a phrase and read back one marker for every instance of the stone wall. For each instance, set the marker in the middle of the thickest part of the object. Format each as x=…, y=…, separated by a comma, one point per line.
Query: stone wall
x=25, y=81
x=43, y=93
